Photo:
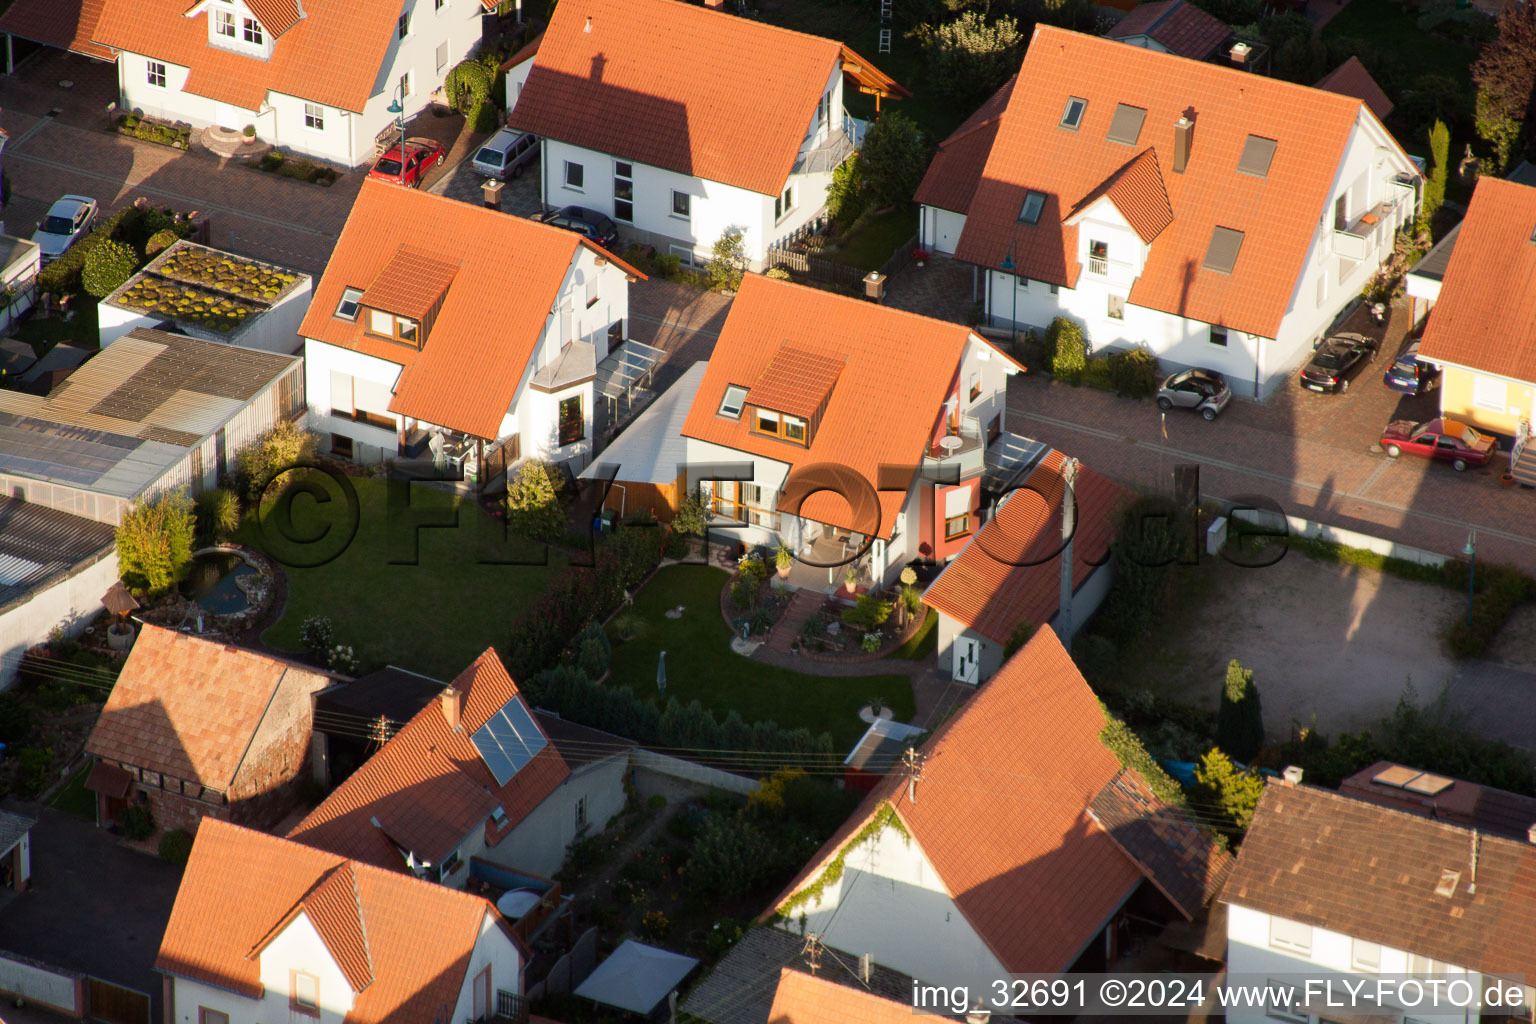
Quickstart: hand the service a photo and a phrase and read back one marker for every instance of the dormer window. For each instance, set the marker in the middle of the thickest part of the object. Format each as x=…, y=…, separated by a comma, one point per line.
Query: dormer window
x=253, y=34
x=735, y=398
x=224, y=23
x=346, y=309
x=780, y=425
x=396, y=328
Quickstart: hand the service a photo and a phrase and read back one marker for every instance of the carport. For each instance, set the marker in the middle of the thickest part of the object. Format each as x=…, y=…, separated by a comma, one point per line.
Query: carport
x=61, y=24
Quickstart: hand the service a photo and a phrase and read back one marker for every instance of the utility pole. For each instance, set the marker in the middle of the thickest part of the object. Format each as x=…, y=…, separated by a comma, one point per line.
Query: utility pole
x=1068, y=528
x=912, y=764
x=812, y=952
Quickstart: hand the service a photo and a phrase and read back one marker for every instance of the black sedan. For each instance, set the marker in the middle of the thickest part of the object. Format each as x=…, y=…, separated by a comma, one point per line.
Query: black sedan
x=599, y=228
x=1336, y=361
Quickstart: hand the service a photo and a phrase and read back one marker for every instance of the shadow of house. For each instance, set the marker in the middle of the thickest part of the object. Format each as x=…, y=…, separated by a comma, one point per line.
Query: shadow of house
x=196, y=729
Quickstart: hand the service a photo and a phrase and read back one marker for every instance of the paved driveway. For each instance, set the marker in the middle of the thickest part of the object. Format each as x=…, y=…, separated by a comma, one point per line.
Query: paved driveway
x=93, y=905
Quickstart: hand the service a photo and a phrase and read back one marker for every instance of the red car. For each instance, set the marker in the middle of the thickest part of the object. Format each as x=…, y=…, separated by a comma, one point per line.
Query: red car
x=420, y=156
x=1442, y=439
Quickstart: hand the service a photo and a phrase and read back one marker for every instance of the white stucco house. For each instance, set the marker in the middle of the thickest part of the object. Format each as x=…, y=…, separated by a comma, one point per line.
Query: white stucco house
x=437, y=322
x=741, y=136
x=945, y=879
x=314, y=77
x=870, y=432
x=266, y=929
x=1214, y=217
x=501, y=792
x=1343, y=889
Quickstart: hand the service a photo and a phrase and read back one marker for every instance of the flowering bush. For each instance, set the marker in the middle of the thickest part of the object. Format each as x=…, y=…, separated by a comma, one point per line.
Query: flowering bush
x=872, y=640
x=920, y=254
x=342, y=659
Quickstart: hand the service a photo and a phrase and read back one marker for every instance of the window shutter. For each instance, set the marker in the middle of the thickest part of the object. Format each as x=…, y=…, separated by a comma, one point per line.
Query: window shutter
x=341, y=392
x=957, y=502
x=371, y=396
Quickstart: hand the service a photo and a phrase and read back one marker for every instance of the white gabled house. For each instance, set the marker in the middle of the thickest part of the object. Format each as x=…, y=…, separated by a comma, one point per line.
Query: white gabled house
x=1214, y=217
x=742, y=135
x=312, y=76
x=490, y=340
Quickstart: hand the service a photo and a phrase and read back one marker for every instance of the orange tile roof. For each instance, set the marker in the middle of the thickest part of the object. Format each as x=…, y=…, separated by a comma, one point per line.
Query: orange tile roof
x=427, y=786
x=276, y=16
x=332, y=908
x=190, y=708
x=678, y=86
x=950, y=181
x=1485, y=318
x=1002, y=813
x=1010, y=572
x=66, y=24
x=530, y=49
x=1178, y=25
x=796, y=381
x=1277, y=214
x=1138, y=192
x=806, y=999
x=1352, y=79
x=333, y=55
x=238, y=884
x=880, y=413
x=411, y=282
x=466, y=374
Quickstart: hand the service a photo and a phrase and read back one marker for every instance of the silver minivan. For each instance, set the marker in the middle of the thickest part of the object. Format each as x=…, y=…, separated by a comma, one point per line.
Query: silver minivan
x=506, y=153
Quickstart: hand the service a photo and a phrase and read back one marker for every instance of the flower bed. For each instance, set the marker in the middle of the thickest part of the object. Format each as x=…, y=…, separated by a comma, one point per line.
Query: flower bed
x=246, y=279
x=828, y=636
x=186, y=302
x=176, y=134
x=296, y=167
x=748, y=596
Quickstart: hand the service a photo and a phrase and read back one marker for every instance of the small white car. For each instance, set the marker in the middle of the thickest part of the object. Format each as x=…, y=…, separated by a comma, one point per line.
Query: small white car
x=68, y=219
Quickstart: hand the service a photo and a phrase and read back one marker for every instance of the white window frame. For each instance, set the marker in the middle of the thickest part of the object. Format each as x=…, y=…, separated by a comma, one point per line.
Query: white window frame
x=252, y=32
x=1293, y=942
x=223, y=20
x=1364, y=956
x=314, y=117
x=1486, y=389
x=581, y=175
x=1115, y=309
x=154, y=73
x=628, y=179
x=1287, y=1013
x=406, y=85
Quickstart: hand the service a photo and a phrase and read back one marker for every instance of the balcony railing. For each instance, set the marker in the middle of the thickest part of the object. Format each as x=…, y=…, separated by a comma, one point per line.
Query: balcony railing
x=1358, y=240
x=1102, y=266
x=958, y=456
x=831, y=151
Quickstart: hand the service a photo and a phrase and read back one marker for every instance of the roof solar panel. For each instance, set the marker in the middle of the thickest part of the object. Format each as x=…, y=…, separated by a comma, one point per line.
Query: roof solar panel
x=509, y=740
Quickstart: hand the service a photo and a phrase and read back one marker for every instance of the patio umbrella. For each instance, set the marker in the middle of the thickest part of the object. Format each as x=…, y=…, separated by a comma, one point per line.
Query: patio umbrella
x=661, y=673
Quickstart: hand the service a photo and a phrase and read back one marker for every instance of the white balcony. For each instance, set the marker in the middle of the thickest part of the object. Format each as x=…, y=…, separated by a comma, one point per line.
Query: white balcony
x=1359, y=240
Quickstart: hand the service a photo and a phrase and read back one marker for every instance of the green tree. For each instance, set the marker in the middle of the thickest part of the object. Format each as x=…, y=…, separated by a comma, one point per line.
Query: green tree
x=533, y=502
x=154, y=542
x=846, y=198
x=1235, y=793
x=692, y=516
x=1067, y=348
x=218, y=513
x=277, y=450
x=107, y=266
x=1018, y=638
x=1440, y=156
x=1505, y=74
x=892, y=160
x=968, y=58
x=1240, y=720
x=731, y=857
x=727, y=261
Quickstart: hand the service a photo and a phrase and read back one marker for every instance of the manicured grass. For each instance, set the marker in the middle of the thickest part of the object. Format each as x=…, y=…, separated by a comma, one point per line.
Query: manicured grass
x=435, y=616
x=874, y=240
x=1393, y=29
x=701, y=665
x=79, y=330
x=922, y=643
x=74, y=798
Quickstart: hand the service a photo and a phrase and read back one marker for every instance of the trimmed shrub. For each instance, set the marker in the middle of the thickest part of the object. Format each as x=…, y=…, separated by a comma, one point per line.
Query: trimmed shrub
x=318, y=635
x=867, y=613
x=136, y=822
x=154, y=543
x=482, y=117
x=107, y=266
x=777, y=273
x=846, y=198
x=160, y=241
x=176, y=847
x=1134, y=373
x=62, y=276
x=1236, y=793
x=727, y=261
x=1066, y=348
x=467, y=84
x=1240, y=720
x=218, y=513
x=593, y=651
x=668, y=264
x=533, y=501
x=277, y=450
x=1096, y=374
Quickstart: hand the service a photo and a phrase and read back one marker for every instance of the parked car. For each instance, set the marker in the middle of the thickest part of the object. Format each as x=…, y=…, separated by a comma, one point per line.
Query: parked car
x=1444, y=440
x=1202, y=391
x=594, y=225
x=1410, y=374
x=421, y=155
x=1336, y=361
x=67, y=220
x=506, y=153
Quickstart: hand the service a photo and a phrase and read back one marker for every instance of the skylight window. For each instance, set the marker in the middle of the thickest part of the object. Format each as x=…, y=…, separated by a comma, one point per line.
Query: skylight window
x=1073, y=115
x=1258, y=152
x=1221, y=254
x=346, y=309
x=735, y=398
x=1125, y=128
x=1034, y=202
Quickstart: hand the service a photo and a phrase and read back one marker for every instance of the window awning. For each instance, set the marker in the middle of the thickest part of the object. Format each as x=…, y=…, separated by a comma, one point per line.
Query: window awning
x=109, y=780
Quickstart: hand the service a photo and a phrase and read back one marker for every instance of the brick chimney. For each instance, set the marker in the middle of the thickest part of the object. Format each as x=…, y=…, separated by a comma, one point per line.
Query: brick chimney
x=453, y=707
x=1183, y=129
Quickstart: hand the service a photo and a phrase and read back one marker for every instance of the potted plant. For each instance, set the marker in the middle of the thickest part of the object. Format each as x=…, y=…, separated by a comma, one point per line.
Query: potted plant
x=851, y=578
x=920, y=255
x=250, y=131
x=782, y=560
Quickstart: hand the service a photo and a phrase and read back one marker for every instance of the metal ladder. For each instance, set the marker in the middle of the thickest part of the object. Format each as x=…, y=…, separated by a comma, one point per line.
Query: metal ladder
x=885, y=26
x=885, y=40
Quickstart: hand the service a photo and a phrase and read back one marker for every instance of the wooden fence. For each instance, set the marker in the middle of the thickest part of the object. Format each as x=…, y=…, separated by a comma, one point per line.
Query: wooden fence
x=820, y=270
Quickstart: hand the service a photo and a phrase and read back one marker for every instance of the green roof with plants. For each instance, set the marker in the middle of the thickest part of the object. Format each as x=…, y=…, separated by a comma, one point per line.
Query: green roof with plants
x=198, y=285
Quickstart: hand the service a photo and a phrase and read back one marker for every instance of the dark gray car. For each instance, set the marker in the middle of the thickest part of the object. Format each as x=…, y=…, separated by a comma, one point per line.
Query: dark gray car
x=1202, y=391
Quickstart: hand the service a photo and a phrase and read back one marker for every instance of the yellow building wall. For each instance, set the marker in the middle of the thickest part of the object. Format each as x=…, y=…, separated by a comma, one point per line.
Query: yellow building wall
x=1459, y=391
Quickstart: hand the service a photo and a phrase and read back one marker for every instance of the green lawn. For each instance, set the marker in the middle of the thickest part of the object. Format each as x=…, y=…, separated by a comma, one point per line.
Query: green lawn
x=701, y=665
x=922, y=643
x=433, y=617
x=1393, y=29
x=74, y=798
x=873, y=242
x=80, y=330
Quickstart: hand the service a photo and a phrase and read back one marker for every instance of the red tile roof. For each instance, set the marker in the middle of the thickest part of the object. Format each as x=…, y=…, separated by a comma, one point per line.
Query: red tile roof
x=806, y=999
x=411, y=282
x=332, y=908
x=428, y=787
x=191, y=708
x=1006, y=824
x=528, y=52
x=1485, y=318
x=66, y=24
x=1278, y=214
x=678, y=86
x=466, y=374
x=276, y=16
x=1352, y=79
x=881, y=409
x=1178, y=25
x=988, y=587
x=796, y=381
x=952, y=175
x=239, y=884
x=1138, y=193
x=333, y=55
